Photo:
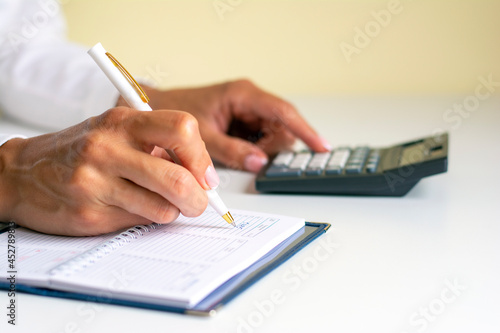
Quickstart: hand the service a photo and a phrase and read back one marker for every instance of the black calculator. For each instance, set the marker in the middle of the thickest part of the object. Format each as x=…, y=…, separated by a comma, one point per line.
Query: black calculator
x=388, y=171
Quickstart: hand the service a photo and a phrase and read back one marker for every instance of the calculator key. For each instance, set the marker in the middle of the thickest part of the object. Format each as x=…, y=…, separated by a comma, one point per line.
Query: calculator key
x=292, y=172
x=371, y=167
x=353, y=168
x=339, y=158
x=300, y=161
x=318, y=161
x=361, y=151
x=274, y=170
x=283, y=159
x=354, y=165
x=357, y=160
x=283, y=172
x=316, y=165
x=333, y=170
x=314, y=172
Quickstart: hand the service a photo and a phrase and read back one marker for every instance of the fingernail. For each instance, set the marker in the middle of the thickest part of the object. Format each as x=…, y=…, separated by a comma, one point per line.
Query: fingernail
x=254, y=162
x=212, y=177
x=325, y=144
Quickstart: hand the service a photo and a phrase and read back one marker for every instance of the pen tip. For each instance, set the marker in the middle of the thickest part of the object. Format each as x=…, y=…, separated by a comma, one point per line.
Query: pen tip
x=228, y=217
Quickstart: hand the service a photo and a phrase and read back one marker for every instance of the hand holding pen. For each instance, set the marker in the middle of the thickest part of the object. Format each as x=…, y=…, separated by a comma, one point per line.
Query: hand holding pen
x=135, y=96
x=101, y=176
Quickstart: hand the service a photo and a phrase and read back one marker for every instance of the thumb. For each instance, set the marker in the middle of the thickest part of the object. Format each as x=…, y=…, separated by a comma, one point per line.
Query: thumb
x=234, y=152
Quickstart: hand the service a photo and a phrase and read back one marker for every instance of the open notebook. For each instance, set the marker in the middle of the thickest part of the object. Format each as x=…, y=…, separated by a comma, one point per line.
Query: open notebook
x=174, y=266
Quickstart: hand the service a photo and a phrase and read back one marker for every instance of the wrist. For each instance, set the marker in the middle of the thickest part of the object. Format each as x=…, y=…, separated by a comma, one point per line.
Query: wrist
x=9, y=153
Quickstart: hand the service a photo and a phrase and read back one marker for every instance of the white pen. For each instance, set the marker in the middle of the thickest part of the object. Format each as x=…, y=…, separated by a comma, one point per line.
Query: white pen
x=132, y=92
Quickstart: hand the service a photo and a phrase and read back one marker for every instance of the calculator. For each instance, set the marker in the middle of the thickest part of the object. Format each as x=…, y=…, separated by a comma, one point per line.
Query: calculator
x=388, y=171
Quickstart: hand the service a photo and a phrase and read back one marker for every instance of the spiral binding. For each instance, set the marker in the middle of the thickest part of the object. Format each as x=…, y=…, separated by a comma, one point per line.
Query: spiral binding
x=89, y=257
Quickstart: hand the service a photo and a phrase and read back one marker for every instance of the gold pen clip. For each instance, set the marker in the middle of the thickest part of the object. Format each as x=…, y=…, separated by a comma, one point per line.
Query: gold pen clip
x=129, y=77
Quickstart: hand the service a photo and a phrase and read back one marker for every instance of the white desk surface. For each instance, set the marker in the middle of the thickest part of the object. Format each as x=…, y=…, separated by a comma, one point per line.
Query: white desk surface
x=426, y=262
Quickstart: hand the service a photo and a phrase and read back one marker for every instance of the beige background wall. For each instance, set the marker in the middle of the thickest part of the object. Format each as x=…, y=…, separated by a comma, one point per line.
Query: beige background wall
x=294, y=47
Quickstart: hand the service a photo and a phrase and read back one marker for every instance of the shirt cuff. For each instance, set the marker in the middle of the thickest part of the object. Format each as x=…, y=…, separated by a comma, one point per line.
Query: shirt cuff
x=5, y=138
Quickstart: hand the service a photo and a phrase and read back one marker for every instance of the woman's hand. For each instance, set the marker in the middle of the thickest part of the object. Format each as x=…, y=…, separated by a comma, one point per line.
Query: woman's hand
x=240, y=123
x=105, y=174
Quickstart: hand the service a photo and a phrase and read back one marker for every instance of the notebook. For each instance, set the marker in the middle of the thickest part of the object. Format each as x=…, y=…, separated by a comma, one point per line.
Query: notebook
x=190, y=265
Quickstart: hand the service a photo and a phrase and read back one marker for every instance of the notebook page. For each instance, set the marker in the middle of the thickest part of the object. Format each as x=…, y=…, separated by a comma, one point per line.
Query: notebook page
x=182, y=262
x=37, y=253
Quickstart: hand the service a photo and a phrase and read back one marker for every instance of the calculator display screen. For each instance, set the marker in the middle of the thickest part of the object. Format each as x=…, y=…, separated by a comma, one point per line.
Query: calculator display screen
x=413, y=154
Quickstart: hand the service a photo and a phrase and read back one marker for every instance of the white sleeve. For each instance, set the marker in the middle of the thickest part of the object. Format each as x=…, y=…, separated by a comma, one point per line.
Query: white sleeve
x=44, y=79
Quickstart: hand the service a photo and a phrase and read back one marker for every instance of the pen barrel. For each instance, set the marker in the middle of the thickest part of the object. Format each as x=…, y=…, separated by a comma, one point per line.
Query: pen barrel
x=216, y=202
x=127, y=91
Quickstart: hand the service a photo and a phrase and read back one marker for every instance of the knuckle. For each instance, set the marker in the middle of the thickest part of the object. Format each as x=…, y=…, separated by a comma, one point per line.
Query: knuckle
x=85, y=149
x=98, y=143
x=181, y=183
x=87, y=221
x=239, y=87
x=243, y=82
x=114, y=116
x=166, y=212
x=83, y=182
x=200, y=205
x=187, y=191
x=275, y=124
x=114, y=120
x=186, y=124
x=282, y=109
x=79, y=179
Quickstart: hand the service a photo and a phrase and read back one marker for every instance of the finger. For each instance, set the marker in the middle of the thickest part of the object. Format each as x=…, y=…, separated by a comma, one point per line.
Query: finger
x=276, y=111
x=269, y=137
x=111, y=219
x=234, y=152
x=272, y=142
x=140, y=201
x=177, y=131
x=171, y=181
x=287, y=114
